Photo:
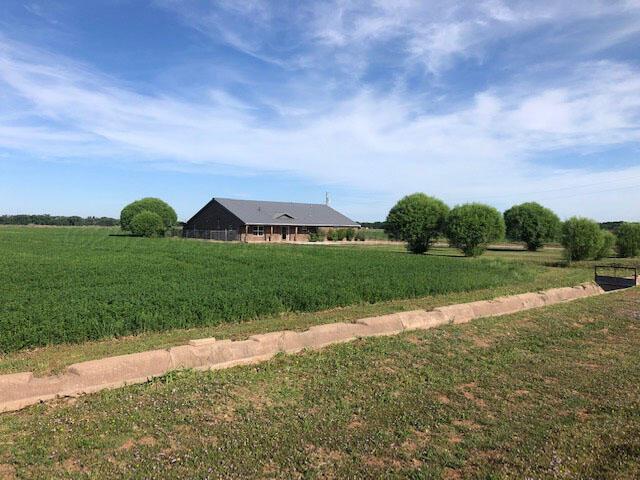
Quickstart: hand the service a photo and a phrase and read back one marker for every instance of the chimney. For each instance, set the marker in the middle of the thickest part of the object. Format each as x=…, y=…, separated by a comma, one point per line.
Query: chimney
x=326, y=198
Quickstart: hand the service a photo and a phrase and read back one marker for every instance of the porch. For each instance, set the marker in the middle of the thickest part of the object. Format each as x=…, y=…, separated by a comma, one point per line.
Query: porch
x=276, y=233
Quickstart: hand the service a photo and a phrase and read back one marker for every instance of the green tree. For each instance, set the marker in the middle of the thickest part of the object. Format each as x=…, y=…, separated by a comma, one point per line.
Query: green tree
x=532, y=224
x=582, y=239
x=473, y=226
x=147, y=224
x=606, y=245
x=417, y=219
x=155, y=205
x=629, y=240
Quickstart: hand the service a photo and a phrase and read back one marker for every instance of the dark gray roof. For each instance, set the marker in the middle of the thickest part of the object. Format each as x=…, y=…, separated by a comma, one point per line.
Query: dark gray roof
x=255, y=212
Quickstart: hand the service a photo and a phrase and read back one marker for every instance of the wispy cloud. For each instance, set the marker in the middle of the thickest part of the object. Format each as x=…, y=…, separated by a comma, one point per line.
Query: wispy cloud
x=434, y=33
x=369, y=141
x=331, y=121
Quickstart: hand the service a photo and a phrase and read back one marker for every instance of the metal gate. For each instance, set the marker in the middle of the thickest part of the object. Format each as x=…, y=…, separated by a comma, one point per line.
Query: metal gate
x=614, y=277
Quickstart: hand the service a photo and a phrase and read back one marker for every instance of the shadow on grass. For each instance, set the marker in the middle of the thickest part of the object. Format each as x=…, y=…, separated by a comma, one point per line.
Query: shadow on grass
x=556, y=264
x=450, y=255
x=507, y=249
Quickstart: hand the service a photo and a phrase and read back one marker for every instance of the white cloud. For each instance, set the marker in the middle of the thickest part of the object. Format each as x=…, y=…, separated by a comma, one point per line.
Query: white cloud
x=435, y=33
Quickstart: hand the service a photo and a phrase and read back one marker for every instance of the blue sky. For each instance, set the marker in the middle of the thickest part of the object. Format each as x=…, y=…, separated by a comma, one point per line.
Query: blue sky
x=106, y=101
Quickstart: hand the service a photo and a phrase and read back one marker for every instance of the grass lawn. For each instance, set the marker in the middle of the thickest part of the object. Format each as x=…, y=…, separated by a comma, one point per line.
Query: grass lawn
x=76, y=284
x=374, y=234
x=547, y=393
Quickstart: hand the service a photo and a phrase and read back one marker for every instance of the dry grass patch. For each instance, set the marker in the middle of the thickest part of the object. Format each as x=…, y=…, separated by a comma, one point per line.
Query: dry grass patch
x=7, y=472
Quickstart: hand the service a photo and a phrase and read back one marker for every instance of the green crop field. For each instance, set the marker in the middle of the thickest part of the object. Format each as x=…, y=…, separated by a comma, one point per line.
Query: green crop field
x=74, y=284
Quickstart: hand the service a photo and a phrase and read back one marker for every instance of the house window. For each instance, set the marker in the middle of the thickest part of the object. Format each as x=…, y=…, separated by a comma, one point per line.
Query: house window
x=258, y=230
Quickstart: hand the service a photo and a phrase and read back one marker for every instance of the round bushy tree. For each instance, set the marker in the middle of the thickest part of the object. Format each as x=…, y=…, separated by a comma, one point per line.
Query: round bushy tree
x=582, y=239
x=629, y=240
x=532, y=224
x=473, y=226
x=155, y=205
x=147, y=224
x=607, y=242
x=417, y=219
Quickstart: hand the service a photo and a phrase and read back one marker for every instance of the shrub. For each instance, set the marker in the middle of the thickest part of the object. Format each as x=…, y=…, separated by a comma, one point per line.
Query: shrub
x=360, y=236
x=147, y=224
x=417, y=219
x=473, y=226
x=155, y=205
x=629, y=240
x=331, y=235
x=607, y=243
x=531, y=223
x=349, y=234
x=316, y=237
x=582, y=239
x=339, y=234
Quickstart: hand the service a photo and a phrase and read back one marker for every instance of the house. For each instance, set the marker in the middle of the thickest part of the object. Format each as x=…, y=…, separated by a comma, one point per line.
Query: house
x=258, y=221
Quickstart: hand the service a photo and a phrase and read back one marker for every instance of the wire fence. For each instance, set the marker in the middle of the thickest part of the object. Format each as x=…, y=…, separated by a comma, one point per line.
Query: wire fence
x=220, y=235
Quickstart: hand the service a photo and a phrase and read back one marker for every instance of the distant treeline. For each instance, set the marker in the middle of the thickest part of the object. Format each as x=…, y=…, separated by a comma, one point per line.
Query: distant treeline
x=57, y=220
x=611, y=226
x=377, y=225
